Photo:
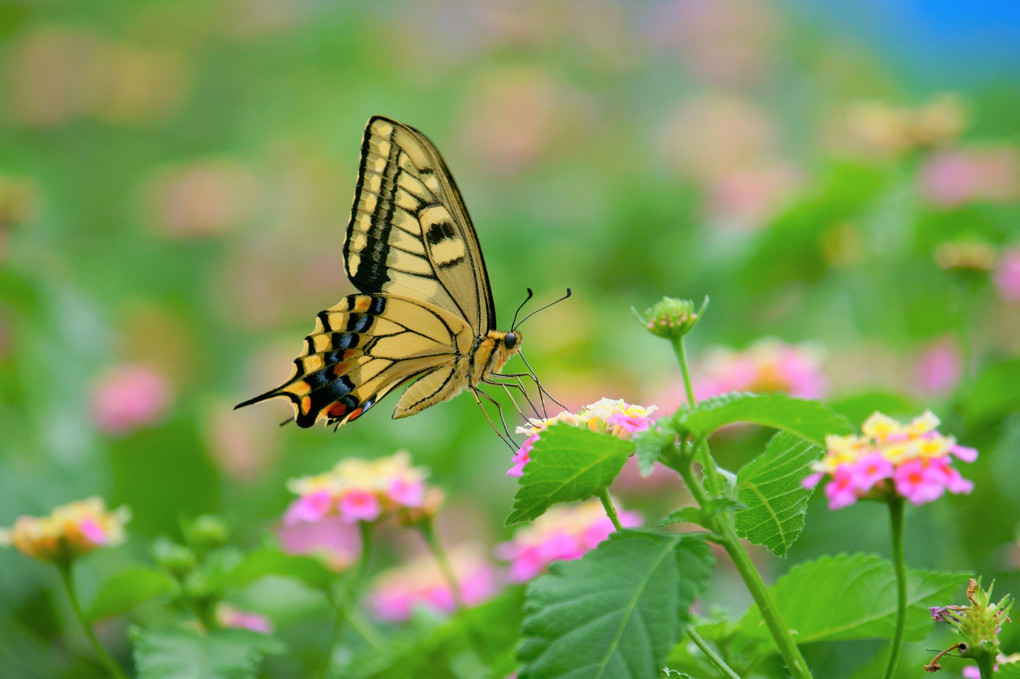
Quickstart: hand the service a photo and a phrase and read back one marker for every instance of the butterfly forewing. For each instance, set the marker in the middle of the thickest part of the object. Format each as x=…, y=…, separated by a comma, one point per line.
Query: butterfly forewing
x=410, y=233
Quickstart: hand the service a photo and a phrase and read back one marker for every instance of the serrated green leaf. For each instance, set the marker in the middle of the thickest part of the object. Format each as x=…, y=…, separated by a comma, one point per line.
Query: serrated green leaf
x=270, y=561
x=617, y=611
x=810, y=420
x=179, y=653
x=128, y=589
x=770, y=486
x=567, y=463
x=853, y=597
x=648, y=444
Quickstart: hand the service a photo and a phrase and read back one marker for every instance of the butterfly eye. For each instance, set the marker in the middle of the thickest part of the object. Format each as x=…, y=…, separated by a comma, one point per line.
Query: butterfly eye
x=510, y=340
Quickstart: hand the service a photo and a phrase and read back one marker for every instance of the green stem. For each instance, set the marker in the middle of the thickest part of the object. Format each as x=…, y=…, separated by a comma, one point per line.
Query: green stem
x=712, y=656
x=986, y=665
x=607, y=503
x=900, y=565
x=350, y=593
x=429, y=533
x=104, y=657
x=755, y=585
x=681, y=357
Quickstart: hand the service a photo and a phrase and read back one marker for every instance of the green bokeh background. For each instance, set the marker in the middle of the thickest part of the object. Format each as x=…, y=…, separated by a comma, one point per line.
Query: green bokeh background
x=182, y=172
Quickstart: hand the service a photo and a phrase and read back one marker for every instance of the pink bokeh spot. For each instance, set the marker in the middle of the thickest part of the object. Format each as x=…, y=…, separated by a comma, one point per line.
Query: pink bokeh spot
x=939, y=368
x=359, y=505
x=129, y=397
x=1007, y=275
x=311, y=507
x=964, y=453
x=332, y=537
x=246, y=620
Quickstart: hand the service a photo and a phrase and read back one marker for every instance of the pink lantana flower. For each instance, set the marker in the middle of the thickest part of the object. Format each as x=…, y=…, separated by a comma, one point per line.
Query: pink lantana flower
x=69, y=531
x=421, y=583
x=614, y=417
x=910, y=460
x=129, y=397
x=563, y=532
x=767, y=366
x=360, y=490
x=335, y=541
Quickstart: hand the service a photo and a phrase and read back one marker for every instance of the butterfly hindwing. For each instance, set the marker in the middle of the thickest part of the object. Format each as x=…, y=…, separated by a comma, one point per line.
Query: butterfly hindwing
x=410, y=233
x=362, y=349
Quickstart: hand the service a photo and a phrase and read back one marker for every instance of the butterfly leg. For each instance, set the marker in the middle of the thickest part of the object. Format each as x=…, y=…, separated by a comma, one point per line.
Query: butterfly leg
x=514, y=383
x=505, y=435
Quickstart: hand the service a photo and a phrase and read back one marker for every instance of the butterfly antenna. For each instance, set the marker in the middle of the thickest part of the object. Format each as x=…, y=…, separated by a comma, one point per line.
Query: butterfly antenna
x=516, y=324
x=285, y=422
x=530, y=295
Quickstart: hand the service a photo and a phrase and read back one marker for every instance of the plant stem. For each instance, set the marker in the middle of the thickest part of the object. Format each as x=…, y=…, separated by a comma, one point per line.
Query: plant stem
x=986, y=665
x=607, y=503
x=712, y=656
x=350, y=593
x=900, y=565
x=752, y=579
x=701, y=446
x=429, y=533
x=104, y=657
x=681, y=357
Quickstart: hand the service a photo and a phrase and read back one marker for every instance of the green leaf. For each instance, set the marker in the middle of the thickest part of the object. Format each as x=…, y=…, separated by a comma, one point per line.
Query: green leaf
x=567, y=463
x=218, y=654
x=489, y=630
x=770, y=488
x=128, y=589
x=810, y=420
x=648, y=444
x=993, y=393
x=853, y=597
x=271, y=561
x=617, y=611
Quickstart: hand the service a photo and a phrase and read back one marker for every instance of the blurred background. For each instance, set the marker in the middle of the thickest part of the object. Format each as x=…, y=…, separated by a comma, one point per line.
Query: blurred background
x=841, y=178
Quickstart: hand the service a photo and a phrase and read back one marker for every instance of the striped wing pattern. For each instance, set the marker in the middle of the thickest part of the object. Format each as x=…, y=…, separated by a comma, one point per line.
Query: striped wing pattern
x=363, y=348
x=410, y=233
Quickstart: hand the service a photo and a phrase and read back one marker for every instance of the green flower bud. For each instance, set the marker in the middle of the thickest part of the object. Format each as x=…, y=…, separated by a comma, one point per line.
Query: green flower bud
x=206, y=532
x=176, y=559
x=671, y=318
x=979, y=624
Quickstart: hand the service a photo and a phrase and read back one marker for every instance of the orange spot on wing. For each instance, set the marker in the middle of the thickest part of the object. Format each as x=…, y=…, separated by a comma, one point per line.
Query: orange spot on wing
x=361, y=304
x=336, y=410
x=306, y=405
x=355, y=414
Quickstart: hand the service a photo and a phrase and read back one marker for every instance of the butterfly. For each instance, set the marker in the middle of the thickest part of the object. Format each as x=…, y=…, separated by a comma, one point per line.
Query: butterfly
x=424, y=313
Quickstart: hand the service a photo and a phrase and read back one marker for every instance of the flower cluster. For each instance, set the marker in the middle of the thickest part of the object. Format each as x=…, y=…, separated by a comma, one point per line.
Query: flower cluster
x=910, y=460
x=69, y=531
x=767, y=366
x=421, y=583
x=564, y=532
x=617, y=418
x=359, y=490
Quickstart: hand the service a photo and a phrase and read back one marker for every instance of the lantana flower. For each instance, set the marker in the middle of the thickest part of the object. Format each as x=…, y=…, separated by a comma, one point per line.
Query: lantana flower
x=69, y=531
x=614, y=417
x=421, y=583
x=564, y=532
x=910, y=460
x=766, y=366
x=359, y=490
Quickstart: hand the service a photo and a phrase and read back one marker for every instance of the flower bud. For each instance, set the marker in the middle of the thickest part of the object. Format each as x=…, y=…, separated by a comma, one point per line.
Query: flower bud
x=176, y=559
x=206, y=532
x=671, y=318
